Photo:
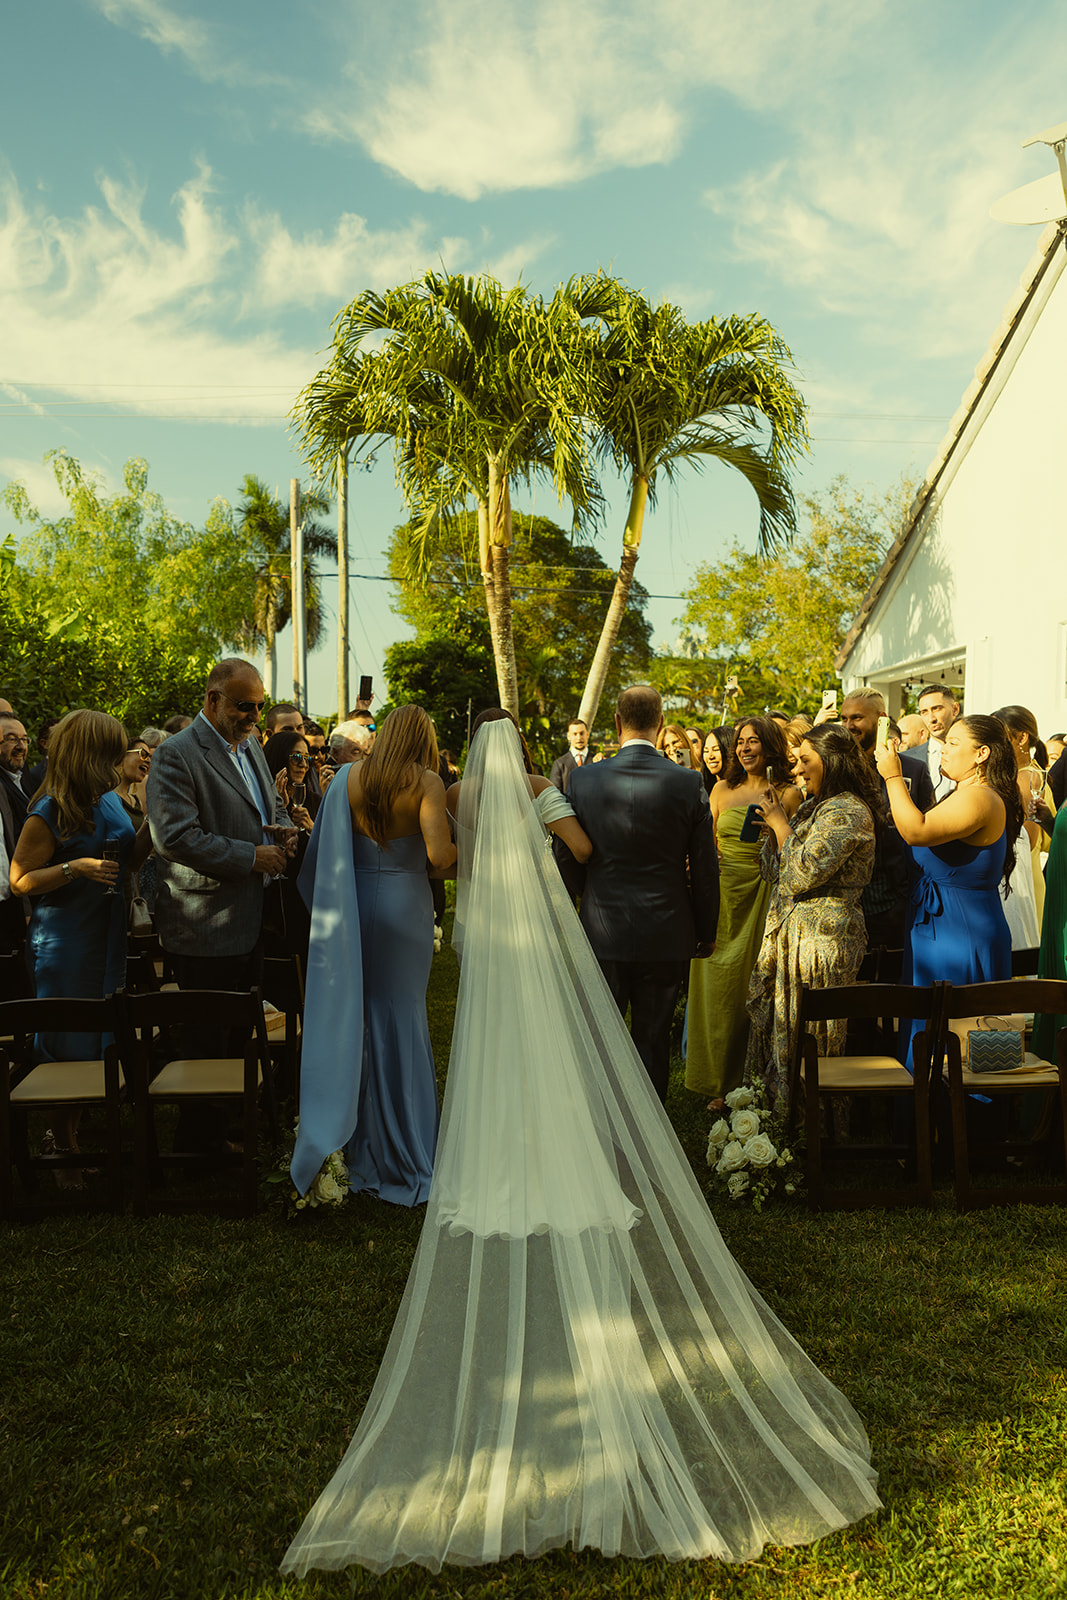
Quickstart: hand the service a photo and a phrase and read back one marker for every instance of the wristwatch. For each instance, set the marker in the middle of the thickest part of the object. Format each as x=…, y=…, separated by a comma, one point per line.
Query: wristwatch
x=67, y=870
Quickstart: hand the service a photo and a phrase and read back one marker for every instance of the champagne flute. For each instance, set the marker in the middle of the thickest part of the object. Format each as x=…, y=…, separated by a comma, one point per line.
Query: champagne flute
x=1037, y=788
x=110, y=852
x=297, y=793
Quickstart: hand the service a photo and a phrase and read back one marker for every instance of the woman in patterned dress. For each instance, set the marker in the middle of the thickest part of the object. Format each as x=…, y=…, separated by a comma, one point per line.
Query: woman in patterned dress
x=818, y=865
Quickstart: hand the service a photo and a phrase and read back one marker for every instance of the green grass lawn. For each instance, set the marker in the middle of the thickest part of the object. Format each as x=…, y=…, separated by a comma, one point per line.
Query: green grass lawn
x=176, y=1392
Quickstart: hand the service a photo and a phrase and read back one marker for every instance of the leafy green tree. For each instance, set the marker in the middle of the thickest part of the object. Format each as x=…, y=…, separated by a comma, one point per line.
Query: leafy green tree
x=777, y=622
x=447, y=677
x=667, y=393
x=478, y=388
x=557, y=605
x=262, y=531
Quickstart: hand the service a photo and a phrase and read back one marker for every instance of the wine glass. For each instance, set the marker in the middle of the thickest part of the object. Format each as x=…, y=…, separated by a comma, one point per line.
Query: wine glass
x=110, y=852
x=297, y=793
x=1037, y=788
x=279, y=833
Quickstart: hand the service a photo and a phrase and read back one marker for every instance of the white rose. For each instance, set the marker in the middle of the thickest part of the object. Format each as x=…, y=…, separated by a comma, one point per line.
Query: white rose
x=738, y=1098
x=744, y=1124
x=790, y=1188
x=732, y=1157
x=737, y=1183
x=720, y=1132
x=327, y=1189
x=760, y=1151
x=785, y=1158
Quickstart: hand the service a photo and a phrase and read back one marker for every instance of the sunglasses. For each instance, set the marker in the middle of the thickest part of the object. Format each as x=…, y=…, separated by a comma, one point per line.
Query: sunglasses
x=298, y=761
x=245, y=706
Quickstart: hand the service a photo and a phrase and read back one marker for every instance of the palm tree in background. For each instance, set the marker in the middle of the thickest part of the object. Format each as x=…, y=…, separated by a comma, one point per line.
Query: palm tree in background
x=669, y=393
x=263, y=525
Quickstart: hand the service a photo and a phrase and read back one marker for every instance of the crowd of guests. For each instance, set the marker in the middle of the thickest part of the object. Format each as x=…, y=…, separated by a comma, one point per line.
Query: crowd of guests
x=834, y=836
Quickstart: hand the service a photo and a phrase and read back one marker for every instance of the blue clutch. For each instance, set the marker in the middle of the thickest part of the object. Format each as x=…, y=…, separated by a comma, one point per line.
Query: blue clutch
x=994, y=1049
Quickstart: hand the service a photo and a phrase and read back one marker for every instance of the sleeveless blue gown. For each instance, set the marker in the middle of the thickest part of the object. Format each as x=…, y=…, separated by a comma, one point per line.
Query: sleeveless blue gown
x=367, y=1080
x=957, y=931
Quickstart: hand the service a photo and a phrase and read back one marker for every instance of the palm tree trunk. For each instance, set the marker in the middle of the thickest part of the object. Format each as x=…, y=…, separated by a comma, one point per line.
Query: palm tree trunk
x=494, y=539
x=631, y=548
x=270, y=661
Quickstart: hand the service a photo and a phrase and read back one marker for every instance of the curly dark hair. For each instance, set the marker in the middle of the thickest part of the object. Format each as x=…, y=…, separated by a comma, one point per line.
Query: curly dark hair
x=845, y=770
x=1002, y=774
x=775, y=754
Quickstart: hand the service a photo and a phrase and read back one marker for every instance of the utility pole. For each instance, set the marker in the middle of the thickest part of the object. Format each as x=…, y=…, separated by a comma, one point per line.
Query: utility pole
x=296, y=590
x=343, y=701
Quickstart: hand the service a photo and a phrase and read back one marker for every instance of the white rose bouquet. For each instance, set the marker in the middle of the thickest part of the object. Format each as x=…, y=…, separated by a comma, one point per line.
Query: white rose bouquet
x=328, y=1188
x=747, y=1151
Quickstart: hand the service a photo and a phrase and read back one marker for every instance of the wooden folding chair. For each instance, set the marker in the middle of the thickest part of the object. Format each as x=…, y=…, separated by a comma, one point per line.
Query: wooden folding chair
x=223, y=1077
x=283, y=987
x=816, y=1079
x=26, y=1085
x=968, y=1003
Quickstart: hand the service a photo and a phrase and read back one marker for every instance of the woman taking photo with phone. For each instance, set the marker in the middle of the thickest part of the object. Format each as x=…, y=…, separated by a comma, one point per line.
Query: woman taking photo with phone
x=818, y=865
x=717, y=1018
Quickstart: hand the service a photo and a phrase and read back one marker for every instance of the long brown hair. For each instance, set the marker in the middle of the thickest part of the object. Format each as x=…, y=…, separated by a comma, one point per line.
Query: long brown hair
x=405, y=743
x=1018, y=719
x=85, y=754
x=845, y=770
x=1002, y=774
x=497, y=714
x=683, y=738
x=775, y=755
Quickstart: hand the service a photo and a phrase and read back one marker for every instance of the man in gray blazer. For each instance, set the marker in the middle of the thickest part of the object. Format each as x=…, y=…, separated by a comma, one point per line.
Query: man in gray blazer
x=210, y=794
x=650, y=903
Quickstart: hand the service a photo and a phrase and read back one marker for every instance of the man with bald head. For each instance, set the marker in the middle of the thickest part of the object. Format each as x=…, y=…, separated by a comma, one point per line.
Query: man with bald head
x=650, y=902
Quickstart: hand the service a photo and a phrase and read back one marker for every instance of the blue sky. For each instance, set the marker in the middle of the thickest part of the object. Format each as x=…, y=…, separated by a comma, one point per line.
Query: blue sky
x=189, y=194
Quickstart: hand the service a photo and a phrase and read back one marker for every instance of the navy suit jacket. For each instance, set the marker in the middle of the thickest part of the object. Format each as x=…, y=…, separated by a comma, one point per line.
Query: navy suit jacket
x=647, y=819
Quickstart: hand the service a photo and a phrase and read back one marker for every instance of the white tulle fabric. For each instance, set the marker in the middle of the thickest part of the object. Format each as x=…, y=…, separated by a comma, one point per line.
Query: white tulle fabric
x=577, y=1358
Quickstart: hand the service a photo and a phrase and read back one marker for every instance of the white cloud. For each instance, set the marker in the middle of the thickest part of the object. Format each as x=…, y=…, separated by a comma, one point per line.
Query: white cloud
x=200, y=46
x=39, y=481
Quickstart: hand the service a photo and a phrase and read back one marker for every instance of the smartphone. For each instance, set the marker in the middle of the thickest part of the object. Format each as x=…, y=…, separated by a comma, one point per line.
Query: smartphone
x=770, y=776
x=829, y=700
x=750, y=828
x=882, y=736
x=366, y=689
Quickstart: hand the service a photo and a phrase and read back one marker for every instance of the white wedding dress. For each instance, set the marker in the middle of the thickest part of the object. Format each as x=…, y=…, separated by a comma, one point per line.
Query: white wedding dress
x=577, y=1358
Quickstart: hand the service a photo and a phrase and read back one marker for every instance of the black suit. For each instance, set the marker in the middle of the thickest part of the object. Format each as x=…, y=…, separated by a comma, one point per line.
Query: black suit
x=1057, y=779
x=885, y=899
x=647, y=819
x=13, y=805
x=565, y=764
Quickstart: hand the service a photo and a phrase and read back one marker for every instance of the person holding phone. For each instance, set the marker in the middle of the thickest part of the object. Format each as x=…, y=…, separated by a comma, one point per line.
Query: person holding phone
x=716, y=1016
x=818, y=864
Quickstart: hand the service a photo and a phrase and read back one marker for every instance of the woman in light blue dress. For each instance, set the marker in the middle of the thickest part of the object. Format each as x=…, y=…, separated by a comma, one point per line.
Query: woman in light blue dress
x=367, y=1080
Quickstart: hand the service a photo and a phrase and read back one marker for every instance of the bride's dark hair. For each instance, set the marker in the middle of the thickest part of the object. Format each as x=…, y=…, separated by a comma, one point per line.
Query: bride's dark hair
x=496, y=714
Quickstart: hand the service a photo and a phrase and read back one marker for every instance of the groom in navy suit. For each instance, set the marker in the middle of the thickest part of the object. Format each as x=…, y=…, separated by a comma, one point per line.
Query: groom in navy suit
x=644, y=918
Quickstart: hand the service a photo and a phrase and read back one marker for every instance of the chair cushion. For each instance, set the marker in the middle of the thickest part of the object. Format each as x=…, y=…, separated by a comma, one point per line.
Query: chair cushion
x=62, y=1080
x=219, y=1075
x=857, y=1074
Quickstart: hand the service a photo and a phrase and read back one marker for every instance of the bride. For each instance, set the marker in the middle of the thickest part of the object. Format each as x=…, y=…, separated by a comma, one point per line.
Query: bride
x=577, y=1358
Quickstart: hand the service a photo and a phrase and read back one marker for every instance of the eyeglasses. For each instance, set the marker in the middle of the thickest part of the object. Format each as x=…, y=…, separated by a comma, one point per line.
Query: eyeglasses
x=139, y=750
x=246, y=706
x=16, y=738
x=298, y=761
x=318, y=755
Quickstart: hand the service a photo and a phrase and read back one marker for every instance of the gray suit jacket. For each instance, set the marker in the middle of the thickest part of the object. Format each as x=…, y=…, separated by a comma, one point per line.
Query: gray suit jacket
x=205, y=828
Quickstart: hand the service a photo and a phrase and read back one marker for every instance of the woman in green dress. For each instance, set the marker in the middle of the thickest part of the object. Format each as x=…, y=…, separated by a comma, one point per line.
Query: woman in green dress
x=717, y=1029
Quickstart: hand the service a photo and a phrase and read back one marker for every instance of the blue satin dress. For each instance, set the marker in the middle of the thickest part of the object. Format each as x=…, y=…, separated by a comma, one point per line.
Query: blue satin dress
x=957, y=931
x=367, y=1080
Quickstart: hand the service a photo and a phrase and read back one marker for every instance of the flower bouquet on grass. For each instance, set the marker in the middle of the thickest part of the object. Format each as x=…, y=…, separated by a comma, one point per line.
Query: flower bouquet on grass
x=747, y=1151
x=330, y=1186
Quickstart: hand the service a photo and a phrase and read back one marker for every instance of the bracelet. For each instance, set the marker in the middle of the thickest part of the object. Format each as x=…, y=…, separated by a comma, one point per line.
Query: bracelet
x=67, y=871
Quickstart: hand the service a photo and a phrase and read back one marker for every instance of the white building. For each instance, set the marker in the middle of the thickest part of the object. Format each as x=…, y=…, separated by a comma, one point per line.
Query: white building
x=973, y=592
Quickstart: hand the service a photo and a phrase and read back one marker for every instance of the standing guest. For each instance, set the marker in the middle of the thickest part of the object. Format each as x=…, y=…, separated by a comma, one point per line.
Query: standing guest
x=938, y=708
x=367, y=1072
x=819, y=865
x=210, y=795
x=12, y=910
x=674, y=744
x=1055, y=744
x=350, y=741
x=913, y=731
x=283, y=716
x=14, y=747
x=645, y=919
x=286, y=920
x=77, y=938
x=577, y=753
x=288, y=762
x=696, y=744
x=1057, y=777
x=315, y=734
x=1053, y=959
x=718, y=748
x=175, y=724
x=717, y=1016
x=963, y=848
x=885, y=898
x=1031, y=761
x=365, y=718
x=33, y=777
x=133, y=775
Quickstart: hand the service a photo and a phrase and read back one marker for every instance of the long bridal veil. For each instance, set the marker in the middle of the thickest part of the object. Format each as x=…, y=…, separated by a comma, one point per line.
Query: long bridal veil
x=577, y=1357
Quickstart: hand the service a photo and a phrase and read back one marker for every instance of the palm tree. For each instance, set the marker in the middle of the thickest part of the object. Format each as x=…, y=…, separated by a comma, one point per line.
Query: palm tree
x=263, y=523
x=478, y=388
x=669, y=392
